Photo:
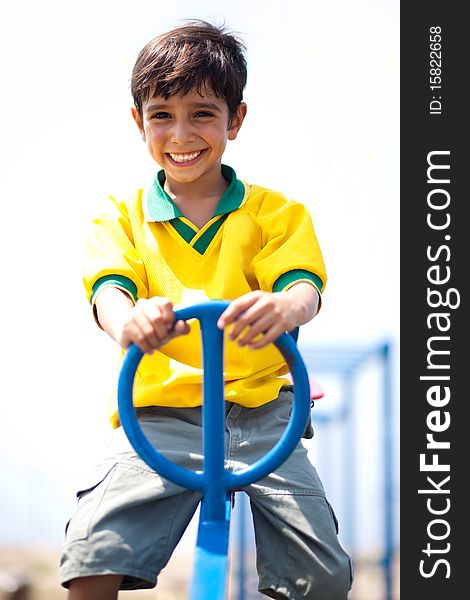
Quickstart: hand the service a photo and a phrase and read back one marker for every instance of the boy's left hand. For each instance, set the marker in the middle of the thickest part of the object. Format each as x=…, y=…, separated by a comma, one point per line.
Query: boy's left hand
x=268, y=314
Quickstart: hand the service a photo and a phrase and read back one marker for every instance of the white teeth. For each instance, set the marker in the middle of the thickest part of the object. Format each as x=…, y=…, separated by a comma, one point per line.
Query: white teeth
x=181, y=158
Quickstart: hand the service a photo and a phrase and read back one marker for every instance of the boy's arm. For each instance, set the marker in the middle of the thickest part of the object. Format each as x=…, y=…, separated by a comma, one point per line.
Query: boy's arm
x=148, y=323
x=269, y=314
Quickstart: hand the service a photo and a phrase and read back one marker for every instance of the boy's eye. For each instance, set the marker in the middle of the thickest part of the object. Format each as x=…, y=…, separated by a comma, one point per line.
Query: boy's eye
x=161, y=115
x=203, y=113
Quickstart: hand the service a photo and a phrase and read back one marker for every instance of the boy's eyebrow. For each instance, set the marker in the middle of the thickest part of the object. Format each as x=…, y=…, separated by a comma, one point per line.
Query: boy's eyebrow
x=162, y=106
x=207, y=105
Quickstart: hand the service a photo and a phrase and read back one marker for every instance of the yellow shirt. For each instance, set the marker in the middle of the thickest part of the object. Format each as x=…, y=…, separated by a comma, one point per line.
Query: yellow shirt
x=257, y=239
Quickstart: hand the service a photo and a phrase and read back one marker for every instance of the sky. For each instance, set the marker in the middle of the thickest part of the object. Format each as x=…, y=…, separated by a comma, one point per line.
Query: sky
x=322, y=127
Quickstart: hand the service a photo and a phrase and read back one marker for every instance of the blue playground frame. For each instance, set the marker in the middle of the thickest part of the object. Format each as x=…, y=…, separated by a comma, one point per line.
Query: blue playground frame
x=216, y=483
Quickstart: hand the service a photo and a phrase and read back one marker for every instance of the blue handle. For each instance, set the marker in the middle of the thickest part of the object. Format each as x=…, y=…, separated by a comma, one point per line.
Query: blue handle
x=215, y=481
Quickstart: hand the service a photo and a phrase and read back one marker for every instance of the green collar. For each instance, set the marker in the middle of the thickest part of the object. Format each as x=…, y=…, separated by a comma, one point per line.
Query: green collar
x=160, y=207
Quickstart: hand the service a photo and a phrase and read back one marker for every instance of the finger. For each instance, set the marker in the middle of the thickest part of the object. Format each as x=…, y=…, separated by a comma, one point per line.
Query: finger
x=150, y=320
x=236, y=308
x=153, y=314
x=180, y=328
x=267, y=338
x=162, y=330
x=262, y=325
x=166, y=312
x=250, y=319
x=145, y=335
x=141, y=342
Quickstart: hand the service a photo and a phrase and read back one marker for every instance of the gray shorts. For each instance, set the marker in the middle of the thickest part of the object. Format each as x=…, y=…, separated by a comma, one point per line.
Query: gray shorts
x=129, y=519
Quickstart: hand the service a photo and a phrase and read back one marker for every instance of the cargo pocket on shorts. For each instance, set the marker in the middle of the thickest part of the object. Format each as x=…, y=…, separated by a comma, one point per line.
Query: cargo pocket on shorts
x=308, y=431
x=350, y=561
x=333, y=516
x=89, y=497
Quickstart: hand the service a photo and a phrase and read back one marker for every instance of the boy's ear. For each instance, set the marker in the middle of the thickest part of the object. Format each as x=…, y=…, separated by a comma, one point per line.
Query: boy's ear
x=237, y=120
x=138, y=121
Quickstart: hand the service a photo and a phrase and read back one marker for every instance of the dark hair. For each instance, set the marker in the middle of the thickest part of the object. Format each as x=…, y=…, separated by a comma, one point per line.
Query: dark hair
x=194, y=56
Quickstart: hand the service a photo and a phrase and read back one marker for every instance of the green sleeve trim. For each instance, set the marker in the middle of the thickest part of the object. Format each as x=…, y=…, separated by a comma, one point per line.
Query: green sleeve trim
x=296, y=275
x=119, y=281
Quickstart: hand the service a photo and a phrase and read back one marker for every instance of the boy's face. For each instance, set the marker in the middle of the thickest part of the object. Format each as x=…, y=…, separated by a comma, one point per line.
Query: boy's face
x=187, y=135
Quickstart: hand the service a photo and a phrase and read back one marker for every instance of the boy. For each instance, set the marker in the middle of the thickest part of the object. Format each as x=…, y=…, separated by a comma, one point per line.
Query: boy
x=199, y=232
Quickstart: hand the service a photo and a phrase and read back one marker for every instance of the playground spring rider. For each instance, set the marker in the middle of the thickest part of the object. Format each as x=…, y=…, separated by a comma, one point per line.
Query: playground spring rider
x=215, y=482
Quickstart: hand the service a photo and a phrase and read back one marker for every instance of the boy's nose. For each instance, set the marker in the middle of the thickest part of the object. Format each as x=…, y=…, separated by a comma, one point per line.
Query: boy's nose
x=182, y=133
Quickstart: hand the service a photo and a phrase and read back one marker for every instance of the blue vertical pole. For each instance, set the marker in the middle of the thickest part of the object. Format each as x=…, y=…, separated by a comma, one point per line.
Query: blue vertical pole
x=210, y=565
x=349, y=449
x=242, y=499
x=388, y=470
x=213, y=419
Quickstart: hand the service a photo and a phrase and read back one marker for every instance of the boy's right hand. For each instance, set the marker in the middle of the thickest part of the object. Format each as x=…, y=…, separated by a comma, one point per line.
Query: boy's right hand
x=150, y=324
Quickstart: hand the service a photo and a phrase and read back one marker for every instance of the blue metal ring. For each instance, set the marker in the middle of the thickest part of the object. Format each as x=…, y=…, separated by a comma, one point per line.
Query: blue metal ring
x=207, y=313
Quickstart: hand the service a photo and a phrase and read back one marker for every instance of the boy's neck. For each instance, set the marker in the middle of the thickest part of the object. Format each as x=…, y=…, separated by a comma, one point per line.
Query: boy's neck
x=198, y=199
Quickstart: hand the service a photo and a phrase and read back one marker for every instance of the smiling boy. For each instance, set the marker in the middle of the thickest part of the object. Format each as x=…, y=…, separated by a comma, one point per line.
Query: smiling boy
x=200, y=232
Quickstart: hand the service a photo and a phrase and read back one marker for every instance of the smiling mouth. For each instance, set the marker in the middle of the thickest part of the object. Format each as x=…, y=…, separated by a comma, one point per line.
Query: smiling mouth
x=184, y=157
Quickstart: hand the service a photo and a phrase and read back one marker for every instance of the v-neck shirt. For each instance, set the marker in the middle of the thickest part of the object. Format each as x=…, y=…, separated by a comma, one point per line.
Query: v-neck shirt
x=256, y=239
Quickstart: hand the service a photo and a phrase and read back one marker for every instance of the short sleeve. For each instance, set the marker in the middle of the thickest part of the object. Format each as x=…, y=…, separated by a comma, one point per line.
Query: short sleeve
x=111, y=257
x=290, y=251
